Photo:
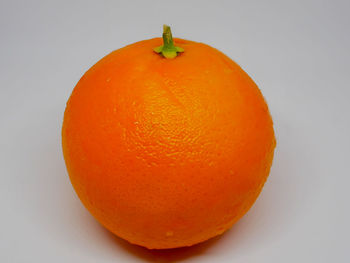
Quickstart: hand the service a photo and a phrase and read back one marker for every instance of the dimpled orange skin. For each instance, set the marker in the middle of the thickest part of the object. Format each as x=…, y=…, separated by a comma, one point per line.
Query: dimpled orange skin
x=163, y=152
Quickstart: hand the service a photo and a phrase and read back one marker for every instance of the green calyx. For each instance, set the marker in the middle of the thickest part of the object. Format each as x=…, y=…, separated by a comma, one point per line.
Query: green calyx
x=168, y=50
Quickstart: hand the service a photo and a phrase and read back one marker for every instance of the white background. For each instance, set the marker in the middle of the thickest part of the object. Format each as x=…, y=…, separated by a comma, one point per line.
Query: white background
x=296, y=51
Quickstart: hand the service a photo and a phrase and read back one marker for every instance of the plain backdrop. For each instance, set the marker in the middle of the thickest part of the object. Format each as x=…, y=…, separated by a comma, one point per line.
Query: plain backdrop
x=296, y=51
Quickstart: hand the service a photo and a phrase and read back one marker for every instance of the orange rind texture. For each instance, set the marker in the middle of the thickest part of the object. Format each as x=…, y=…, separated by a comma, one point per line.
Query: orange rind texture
x=163, y=152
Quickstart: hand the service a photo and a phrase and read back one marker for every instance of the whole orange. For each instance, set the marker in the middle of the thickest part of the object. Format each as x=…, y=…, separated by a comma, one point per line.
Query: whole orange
x=167, y=150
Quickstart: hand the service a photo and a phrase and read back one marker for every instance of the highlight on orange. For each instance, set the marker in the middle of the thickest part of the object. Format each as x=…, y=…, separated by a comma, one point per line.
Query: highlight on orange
x=167, y=142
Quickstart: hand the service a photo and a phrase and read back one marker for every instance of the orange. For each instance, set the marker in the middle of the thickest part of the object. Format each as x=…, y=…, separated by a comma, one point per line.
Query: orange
x=167, y=150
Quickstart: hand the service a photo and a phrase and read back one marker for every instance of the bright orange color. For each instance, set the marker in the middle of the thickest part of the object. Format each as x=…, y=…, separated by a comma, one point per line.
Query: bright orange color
x=167, y=152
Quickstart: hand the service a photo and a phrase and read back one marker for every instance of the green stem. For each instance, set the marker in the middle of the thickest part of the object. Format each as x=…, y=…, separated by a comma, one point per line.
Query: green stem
x=168, y=50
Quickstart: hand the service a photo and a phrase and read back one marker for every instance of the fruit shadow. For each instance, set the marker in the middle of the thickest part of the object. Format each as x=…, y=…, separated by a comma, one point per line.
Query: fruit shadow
x=164, y=255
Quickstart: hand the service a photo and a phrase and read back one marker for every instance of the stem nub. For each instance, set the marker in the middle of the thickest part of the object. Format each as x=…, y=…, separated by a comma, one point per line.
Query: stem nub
x=168, y=50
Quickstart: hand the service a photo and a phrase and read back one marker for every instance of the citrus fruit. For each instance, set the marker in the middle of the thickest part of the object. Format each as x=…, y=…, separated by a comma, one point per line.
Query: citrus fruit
x=167, y=142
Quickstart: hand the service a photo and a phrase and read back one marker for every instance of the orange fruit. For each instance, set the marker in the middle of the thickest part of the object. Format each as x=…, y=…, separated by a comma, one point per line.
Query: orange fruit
x=167, y=150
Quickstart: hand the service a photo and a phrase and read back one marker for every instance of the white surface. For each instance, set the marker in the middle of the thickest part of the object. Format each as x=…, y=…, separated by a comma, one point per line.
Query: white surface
x=296, y=51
